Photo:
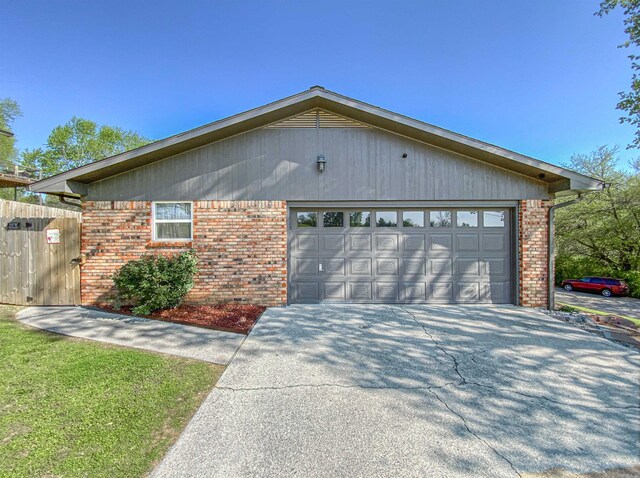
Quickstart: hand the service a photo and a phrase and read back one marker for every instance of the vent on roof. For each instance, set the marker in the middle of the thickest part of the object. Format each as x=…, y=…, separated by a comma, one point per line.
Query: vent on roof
x=317, y=118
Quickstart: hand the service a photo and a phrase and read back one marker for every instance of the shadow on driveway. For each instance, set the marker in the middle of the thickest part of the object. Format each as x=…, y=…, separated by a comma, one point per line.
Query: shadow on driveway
x=374, y=390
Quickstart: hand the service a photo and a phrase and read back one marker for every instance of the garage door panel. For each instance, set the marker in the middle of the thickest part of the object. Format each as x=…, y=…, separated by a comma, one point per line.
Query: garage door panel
x=414, y=242
x=386, y=291
x=334, y=266
x=440, y=267
x=387, y=242
x=387, y=266
x=437, y=261
x=306, y=291
x=498, y=292
x=440, y=242
x=306, y=266
x=360, y=267
x=307, y=243
x=414, y=267
x=334, y=291
x=467, y=266
x=333, y=242
x=414, y=291
x=467, y=243
x=493, y=242
x=467, y=292
x=495, y=266
x=441, y=292
x=360, y=291
x=360, y=242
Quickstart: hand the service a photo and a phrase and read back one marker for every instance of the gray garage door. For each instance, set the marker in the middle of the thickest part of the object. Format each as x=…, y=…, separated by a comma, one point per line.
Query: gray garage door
x=400, y=255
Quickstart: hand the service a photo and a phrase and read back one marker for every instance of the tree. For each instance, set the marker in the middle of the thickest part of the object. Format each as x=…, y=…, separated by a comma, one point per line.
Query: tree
x=629, y=100
x=601, y=234
x=9, y=111
x=79, y=142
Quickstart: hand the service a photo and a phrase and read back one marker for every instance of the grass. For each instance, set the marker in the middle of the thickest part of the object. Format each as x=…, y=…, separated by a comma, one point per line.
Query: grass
x=575, y=308
x=70, y=407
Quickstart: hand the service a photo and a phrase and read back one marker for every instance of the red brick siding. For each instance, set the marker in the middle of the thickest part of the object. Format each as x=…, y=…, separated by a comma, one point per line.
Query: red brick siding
x=533, y=236
x=241, y=248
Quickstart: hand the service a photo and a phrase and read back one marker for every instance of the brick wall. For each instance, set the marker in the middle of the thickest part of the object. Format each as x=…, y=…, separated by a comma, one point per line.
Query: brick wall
x=241, y=248
x=533, y=254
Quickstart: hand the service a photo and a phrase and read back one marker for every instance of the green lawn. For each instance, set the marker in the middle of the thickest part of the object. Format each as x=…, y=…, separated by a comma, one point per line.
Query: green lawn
x=71, y=407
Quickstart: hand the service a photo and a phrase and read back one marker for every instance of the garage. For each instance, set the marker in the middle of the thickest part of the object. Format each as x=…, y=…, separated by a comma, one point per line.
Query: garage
x=396, y=255
x=318, y=197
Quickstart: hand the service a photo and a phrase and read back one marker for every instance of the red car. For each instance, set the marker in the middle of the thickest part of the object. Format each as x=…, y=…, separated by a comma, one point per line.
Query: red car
x=601, y=285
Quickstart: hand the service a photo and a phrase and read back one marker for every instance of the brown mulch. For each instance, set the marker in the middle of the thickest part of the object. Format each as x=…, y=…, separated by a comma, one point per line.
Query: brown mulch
x=238, y=318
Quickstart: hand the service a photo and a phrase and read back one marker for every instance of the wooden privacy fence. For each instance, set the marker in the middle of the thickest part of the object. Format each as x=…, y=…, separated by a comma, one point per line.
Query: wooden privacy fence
x=39, y=255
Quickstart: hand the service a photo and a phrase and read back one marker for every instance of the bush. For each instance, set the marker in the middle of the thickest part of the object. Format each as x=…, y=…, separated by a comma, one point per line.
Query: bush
x=633, y=279
x=155, y=282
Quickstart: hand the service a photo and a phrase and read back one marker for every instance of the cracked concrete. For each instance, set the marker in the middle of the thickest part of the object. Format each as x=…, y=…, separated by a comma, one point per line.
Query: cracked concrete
x=415, y=391
x=466, y=425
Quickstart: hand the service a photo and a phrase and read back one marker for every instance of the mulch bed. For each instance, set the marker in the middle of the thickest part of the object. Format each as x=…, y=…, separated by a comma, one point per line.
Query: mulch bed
x=238, y=318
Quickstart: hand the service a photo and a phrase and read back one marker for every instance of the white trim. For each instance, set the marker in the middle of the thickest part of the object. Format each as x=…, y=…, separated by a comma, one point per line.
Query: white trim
x=171, y=221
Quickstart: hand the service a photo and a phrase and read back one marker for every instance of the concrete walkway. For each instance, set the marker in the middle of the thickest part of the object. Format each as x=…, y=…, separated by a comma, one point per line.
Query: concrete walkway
x=175, y=339
x=367, y=390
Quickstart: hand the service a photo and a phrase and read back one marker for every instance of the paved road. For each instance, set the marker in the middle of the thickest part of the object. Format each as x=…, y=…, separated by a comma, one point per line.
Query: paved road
x=175, y=339
x=614, y=305
x=394, y=391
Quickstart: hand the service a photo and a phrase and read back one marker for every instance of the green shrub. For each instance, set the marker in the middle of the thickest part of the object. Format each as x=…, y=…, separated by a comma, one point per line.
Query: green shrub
x=633, y=279
x=155, y=282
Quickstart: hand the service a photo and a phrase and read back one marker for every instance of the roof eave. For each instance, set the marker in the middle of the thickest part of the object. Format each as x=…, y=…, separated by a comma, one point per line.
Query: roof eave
x=576, y=185
x=555, y=176
x=188, y=140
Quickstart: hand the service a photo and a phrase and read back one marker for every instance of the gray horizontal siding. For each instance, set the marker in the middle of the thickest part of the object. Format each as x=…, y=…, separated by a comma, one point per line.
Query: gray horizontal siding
x=279, y=164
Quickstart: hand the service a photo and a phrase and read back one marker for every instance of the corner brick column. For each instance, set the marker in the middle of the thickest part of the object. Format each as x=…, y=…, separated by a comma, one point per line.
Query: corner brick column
x=533, y=237
x=241, y=248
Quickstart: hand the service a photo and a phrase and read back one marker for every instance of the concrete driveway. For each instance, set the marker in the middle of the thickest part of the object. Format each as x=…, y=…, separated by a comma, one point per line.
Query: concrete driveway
x=416, y=391
x=627, y=306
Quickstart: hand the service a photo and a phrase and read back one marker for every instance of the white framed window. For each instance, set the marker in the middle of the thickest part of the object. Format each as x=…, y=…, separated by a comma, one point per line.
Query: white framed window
x=172, y=220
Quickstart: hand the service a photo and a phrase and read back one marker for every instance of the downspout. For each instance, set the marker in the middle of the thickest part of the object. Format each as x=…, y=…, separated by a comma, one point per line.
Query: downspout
x=551, y=253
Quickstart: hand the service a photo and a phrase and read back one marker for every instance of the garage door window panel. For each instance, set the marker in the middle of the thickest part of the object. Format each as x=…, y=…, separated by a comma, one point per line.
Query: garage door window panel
x=307, y=219
x=386, y=219
x=440, y=218
x=413, y=219
x=333, y=219
x=467, y=218
x=493, y=218
x=360, y=219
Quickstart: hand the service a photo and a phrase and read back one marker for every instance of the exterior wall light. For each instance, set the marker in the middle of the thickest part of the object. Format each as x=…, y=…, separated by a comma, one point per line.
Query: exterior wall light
x=321, y=163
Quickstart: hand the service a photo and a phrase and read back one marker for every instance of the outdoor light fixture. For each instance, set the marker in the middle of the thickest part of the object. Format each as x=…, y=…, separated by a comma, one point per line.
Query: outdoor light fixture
x=321, y=163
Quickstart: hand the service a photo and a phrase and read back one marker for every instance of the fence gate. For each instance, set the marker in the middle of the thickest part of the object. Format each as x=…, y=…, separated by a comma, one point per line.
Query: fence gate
x=39, y=255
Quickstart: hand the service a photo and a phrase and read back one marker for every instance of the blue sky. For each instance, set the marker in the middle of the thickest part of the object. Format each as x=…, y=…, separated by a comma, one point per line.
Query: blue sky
x=539, y=77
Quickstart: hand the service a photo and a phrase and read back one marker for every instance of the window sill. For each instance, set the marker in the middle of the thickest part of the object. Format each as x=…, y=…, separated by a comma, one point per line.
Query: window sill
x=169, y=244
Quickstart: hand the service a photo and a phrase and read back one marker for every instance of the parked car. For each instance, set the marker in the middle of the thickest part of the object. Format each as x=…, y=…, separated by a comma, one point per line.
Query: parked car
x=601, y=285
